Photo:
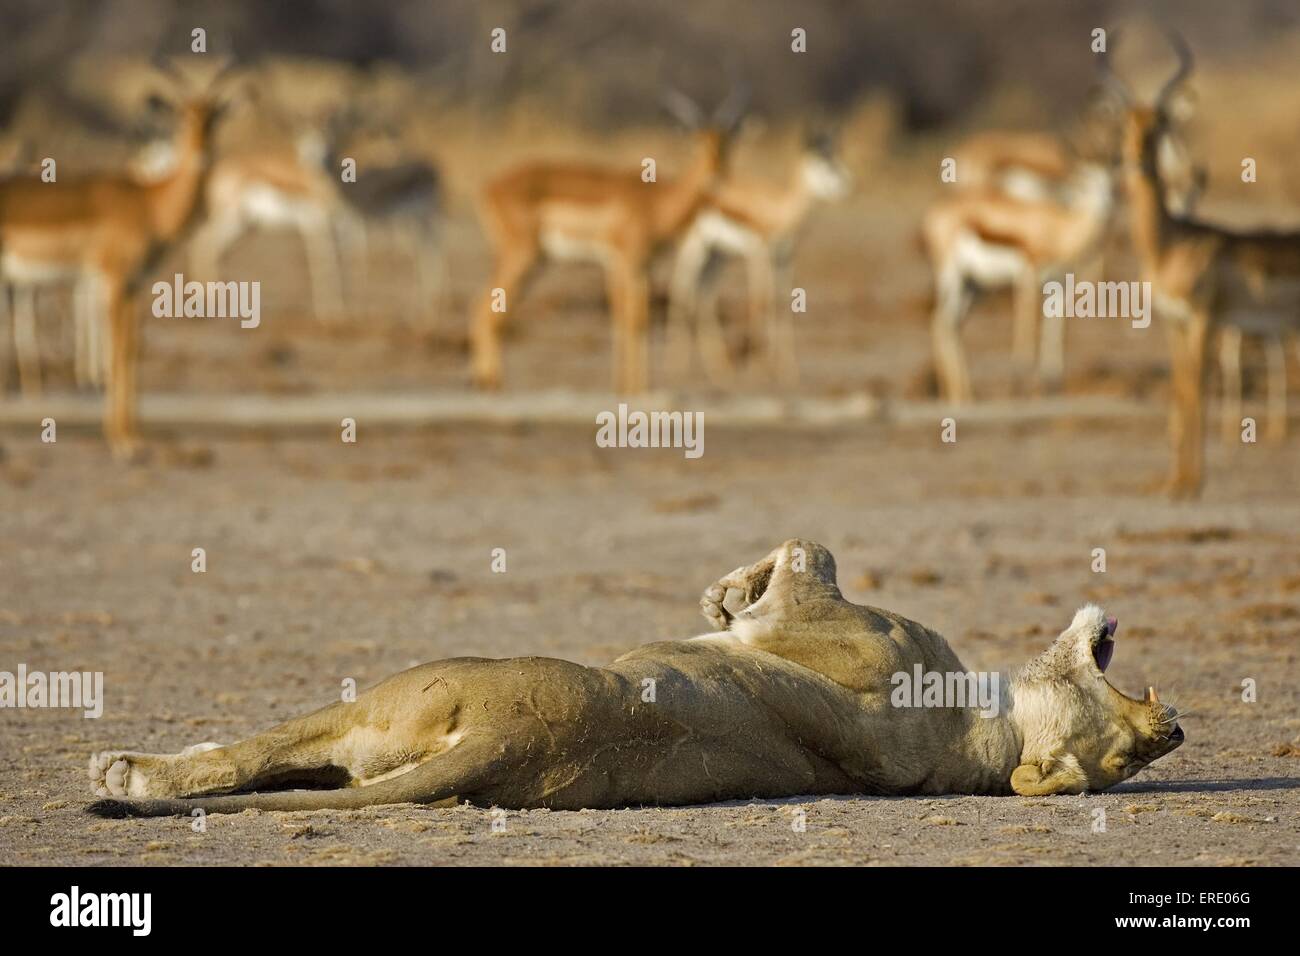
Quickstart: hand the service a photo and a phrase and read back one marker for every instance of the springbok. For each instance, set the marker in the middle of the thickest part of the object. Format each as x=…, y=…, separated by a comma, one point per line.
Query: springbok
x=986, y=240
x=403, y=199
x=758, y=221
x=278, y=189
x=1040, y=181
x=577, y=211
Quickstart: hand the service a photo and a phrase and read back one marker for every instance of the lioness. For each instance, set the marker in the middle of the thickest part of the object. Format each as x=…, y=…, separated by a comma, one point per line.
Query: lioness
x=791, y=695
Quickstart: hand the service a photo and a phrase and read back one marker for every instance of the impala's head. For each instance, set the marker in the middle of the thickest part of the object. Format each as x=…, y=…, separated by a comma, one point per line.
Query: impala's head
x=1147, y=129
x=820, y=169
x=713, y=132
x=1080, y=733
x=197, y=109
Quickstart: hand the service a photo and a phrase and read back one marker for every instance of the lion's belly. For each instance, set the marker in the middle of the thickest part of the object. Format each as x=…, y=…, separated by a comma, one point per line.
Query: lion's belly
x=669, y=773
x=663, y=729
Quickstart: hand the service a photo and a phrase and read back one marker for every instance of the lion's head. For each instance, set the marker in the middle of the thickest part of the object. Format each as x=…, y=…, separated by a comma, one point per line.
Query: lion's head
x=1079, y=732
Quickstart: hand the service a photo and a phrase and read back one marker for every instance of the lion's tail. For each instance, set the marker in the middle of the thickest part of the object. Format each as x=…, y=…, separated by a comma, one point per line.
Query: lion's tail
x=348, y=799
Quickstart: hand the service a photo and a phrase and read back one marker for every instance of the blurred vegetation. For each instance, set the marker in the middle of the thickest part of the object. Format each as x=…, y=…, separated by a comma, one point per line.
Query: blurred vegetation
x=586, y=77
x=605, y=60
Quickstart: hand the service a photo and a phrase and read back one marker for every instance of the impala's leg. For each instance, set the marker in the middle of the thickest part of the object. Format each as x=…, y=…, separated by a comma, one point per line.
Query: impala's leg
x=431, y=271
x=630, y=303
x=81, y=347
x=715, y=356
x=1051, y=348
x=783, y=314
x=88, y=325
x=120, y=391
x=1276, y=388
x=639, y=326
x=775, y=326
x=1230, y=373
x=1187, y=418
x=683, y=304
x=211, y=242
x=6, y=334
x=512, y=269
x=25, y=340
x=1025, y=321
x=951, y=301
x=351, y=240
x=324, y=260
x=1198, y=344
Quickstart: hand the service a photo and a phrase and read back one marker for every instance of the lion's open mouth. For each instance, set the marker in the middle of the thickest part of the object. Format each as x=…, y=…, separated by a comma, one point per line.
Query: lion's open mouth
x=1104, y=649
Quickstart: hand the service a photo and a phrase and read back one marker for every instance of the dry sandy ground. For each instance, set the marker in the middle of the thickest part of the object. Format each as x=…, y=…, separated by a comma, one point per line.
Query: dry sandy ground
x=328, y=561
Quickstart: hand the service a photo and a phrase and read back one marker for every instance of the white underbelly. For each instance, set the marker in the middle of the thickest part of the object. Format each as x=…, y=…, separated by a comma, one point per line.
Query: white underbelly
x=565, y=247
x=21, y=271
x=722, y=232
x=270, y=207
x=1025, y=185
x=988, y=264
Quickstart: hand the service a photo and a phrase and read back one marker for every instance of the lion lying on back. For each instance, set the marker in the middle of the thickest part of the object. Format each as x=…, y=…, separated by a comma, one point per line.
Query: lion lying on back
x=791, y=695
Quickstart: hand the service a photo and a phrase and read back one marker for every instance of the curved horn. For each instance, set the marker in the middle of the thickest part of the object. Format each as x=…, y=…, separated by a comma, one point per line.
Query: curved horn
x=683, y=108
x=1110, y=80
x=167, y=67
x=1184, y=66
x=732, y=108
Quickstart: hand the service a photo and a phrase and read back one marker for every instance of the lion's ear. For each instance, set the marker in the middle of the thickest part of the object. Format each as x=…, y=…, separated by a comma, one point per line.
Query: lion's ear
x=1047, y=777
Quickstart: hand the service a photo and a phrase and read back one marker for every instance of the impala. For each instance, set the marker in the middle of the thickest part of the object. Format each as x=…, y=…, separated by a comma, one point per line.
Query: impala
x=576, y=211
x=286, y=189
x=988, y=240
x=1026, y=164
x=1034, y=165
x=153, y=162
x=114, y=228
x=1204, y=275
x=1230, y=338
x=403, y=199
x=759, y=222
x=1027, y=176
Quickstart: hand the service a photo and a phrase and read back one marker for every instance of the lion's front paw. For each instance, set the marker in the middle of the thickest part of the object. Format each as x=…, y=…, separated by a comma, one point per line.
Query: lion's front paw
x=120, y=774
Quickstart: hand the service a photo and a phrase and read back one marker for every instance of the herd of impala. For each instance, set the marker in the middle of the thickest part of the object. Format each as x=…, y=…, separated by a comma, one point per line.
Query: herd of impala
x=1023, y=208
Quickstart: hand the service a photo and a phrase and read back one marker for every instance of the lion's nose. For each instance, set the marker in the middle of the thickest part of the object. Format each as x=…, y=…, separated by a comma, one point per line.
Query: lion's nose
x=1177, y=735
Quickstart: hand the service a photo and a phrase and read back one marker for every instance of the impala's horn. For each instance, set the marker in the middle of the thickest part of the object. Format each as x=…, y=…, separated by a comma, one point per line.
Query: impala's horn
x=168, y=68
x=732, y=108
x=682, y=108
x=1185, y=64
x=1110, y=80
